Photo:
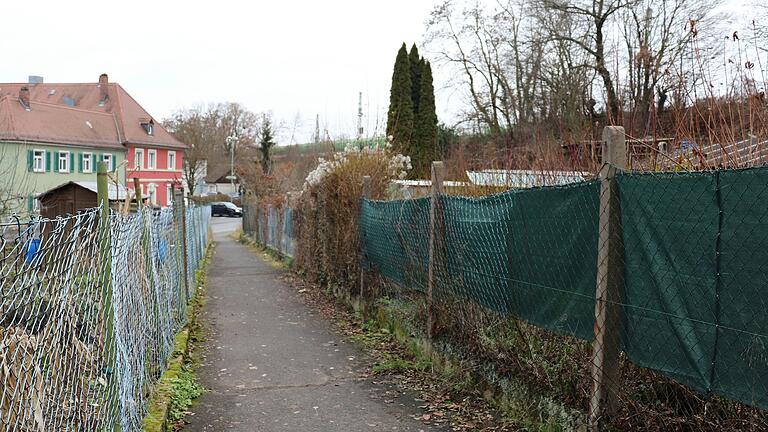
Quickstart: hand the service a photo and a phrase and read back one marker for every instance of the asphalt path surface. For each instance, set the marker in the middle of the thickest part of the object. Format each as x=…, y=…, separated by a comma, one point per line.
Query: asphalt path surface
x=271, y=363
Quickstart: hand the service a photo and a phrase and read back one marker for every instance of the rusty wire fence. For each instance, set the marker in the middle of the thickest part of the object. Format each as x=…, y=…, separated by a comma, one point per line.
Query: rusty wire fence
x=89, y=313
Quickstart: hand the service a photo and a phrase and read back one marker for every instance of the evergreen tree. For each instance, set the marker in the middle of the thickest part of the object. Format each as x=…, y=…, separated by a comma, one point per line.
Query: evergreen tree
x=425, y=133
x=266, y=142
x=400, y=118
x=417, y=64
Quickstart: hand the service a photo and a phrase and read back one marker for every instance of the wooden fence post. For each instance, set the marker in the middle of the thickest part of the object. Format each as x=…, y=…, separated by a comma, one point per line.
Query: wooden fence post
x=105, y=250
x=435, y=238
x=366, y=194
x=183, y=225
x=610, y=268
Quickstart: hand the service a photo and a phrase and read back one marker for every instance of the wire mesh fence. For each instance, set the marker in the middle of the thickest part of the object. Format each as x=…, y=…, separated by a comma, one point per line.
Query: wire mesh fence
x=89, y=312
x=627, y=300
x=272, y=226
x=663, y=274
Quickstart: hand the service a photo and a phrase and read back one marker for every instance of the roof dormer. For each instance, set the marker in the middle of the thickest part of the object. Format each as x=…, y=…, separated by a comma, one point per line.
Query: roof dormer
x=148, y=125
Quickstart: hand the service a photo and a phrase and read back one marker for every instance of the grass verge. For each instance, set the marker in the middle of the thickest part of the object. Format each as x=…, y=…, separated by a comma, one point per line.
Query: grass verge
x=178, y=386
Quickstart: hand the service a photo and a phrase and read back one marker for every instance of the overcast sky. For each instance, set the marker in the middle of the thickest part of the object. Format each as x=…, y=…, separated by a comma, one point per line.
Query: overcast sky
x=293, y=57
x=289, y=56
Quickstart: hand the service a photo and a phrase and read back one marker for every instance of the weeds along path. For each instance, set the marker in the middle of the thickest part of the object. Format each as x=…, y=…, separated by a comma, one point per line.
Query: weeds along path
x=271, y=364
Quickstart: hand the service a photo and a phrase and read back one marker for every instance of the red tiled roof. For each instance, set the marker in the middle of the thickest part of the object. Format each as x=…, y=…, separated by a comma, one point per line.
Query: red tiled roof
x=56, y=124
x=55, y=104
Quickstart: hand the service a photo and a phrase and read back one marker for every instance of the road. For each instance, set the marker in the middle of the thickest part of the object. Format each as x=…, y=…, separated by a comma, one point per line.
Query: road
x=271, y=363
x=225, y=225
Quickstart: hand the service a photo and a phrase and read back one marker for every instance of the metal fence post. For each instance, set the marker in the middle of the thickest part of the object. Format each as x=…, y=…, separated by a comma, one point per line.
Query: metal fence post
x=105, y=249
x=605, y=347
x=366, y=194
x=435, y=238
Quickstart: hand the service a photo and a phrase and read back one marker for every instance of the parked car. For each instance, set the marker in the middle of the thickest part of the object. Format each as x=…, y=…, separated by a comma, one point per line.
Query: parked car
x=226, y=209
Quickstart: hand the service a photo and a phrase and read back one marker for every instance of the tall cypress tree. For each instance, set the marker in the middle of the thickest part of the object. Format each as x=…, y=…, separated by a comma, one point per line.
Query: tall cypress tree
x=400, y=118
x=425, y=133
x=417, y=64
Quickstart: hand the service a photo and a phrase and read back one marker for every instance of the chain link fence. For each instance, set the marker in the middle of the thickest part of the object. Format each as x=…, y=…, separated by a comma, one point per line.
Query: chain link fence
x=624, y=300
x=637, y=299
x=89, y=314
x=271, y=226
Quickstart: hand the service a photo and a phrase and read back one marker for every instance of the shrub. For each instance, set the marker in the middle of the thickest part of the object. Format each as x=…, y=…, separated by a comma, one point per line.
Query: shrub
x=329, y=207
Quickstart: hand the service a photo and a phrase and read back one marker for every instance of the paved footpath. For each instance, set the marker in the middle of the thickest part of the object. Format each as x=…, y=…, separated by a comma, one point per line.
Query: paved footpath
x=270, y=363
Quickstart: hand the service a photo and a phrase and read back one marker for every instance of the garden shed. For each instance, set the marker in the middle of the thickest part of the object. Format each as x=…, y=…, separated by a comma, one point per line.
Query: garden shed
x=74, y=196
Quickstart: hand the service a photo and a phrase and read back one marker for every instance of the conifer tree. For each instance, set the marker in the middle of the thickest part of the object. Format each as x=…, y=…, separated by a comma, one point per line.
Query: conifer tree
x=425, y=132
x=400, y=118
x=266, y=142
x=417, y=64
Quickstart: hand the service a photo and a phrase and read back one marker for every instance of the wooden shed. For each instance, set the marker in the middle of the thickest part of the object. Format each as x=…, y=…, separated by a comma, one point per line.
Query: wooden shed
x=74, y=196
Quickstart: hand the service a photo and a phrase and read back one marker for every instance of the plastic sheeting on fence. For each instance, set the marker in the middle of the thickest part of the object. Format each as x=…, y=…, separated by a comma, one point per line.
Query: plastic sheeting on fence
x=530, y=253
x=695, y=256
x=89, y=315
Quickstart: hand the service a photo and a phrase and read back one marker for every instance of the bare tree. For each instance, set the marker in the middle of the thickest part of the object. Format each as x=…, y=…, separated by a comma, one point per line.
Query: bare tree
x=205, y=129
x=656, y=34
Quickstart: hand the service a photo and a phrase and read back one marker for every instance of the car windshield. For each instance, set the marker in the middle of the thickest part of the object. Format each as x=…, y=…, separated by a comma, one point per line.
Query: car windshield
x=230, y=205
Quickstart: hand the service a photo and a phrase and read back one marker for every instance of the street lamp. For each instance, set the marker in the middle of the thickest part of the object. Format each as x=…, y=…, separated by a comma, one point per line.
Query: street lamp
x=231, y=140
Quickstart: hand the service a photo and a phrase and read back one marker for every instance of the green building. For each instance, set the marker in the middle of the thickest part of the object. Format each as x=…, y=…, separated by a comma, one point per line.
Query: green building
x=43, y=145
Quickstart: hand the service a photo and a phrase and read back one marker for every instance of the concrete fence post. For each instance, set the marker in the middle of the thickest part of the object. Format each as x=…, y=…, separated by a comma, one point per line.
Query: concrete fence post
x=435, y=238
x=365, y=195
x=610, y=268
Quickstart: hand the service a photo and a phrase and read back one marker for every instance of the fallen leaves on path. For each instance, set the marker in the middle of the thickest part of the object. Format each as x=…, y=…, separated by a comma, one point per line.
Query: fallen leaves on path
x=442, y=405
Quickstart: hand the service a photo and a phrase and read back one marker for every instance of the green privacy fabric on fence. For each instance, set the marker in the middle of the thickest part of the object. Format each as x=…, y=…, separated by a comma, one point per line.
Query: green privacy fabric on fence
x=670, y=225
x=395, y=240
x=555, y=231
x=741, y=365
x=531, y=253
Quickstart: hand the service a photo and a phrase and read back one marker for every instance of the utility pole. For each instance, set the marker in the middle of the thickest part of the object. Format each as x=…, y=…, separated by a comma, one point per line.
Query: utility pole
x=360, y=120
x=317, y=129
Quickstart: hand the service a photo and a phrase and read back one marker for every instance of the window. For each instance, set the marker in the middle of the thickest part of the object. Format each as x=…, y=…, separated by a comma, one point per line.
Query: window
x=33, y=204
x=151, y=159
x=138, y=159
x=171, y=160
x=63, y=162
x=168, y=195
x=152, y=192
x=107, y=158
x=38, y=161
x=87, y=166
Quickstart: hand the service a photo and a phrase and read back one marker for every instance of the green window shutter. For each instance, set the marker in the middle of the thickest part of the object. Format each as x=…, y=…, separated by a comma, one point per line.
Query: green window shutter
x=55, y=161
x=30, y=203
x=80, y=162
x=72, y=162
x=30, y=160
x=112, y=158
x=47, y=161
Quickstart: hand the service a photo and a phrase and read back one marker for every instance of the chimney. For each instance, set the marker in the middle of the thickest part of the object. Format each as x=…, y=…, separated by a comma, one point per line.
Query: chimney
x=103, y=85
x=24, y=97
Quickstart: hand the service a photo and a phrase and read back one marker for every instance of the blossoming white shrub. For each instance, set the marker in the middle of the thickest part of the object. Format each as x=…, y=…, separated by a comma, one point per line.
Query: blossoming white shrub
x=397, y=165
